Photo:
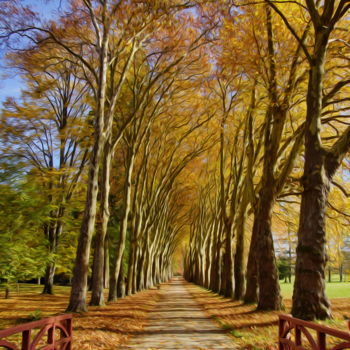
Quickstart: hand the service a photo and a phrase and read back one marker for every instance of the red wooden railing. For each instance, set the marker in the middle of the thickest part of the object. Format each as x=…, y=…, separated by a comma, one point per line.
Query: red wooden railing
x=45, y=337
x=292, y=329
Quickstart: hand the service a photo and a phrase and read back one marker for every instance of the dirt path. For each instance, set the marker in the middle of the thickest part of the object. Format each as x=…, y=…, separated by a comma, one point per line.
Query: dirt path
x=178, y=322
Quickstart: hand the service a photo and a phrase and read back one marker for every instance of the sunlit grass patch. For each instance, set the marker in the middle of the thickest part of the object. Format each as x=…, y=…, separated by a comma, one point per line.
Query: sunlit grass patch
x=333, y=290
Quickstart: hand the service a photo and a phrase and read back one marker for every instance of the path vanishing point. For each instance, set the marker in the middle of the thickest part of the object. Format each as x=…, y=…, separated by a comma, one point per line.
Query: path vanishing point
x=178, y=322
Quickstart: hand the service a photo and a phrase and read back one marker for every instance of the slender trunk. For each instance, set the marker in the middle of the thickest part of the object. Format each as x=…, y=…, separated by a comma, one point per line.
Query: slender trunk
x=215, y=256
x=123, y=228
x=121, y=282
x=135, y=269
x=106, y=263
x=222, y=274
x=197, y=268
x=97, y=297
x=49, y=278
x=201, y=267
x=77, y=302
x=148, y=270
x=220, y=263
x=227, y=287
x=340, y=272
x=7, y=292
x=239, y=262
x=140, y=281
x=131, y=264
x=290, y=258
x=132, y=251
x=53, y=233
x=208, y=262
x=251, y=293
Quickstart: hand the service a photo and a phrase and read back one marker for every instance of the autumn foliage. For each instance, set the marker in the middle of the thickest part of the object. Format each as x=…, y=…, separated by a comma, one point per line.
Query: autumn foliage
x=208, y=138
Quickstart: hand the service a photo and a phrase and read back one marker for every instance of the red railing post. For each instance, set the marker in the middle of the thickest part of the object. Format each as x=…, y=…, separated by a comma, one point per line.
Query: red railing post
x=297, y=336
x=45, y=335
x=321, y=340
x=280, y=333
x=69, y=327
x=303, y=328
x=51, y=335
x=26, y=339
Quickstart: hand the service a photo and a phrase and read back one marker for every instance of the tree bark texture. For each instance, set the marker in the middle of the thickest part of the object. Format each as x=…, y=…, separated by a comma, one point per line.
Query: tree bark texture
x=309, y=297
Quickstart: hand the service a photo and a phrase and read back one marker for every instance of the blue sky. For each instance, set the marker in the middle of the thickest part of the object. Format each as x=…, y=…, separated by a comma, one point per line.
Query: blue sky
x=10, y=82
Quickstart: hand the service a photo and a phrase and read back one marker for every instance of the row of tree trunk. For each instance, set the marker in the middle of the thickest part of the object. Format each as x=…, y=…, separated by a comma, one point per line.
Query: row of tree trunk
x=214, y=257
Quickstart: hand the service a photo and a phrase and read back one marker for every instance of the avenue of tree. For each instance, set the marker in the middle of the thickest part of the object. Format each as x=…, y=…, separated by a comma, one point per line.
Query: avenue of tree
x=159, y=136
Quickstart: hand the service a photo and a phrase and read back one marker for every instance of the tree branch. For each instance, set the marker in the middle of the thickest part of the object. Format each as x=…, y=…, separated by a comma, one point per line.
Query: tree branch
x=336, y=154
x=291, y=29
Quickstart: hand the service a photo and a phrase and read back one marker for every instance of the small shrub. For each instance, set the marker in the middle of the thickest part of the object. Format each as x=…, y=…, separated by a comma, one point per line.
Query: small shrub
x=226, y=326
x=35, y=316
x=236, y=334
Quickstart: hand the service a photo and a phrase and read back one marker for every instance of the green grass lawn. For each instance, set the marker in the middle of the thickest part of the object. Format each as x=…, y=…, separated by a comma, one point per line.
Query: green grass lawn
x=334, y=290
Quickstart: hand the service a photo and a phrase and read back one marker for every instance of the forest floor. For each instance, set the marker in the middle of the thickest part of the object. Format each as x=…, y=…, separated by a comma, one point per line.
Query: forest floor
x=104, y=328
x=121, y=324
x=256, y=330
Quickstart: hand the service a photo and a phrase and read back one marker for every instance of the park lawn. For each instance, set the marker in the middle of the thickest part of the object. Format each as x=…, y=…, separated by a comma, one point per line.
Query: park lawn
x=251, y=329
x=101, y=328
x=334, y=290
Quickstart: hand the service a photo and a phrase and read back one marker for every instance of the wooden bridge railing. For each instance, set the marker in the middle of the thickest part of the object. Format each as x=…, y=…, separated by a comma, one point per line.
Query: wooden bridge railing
x=292, y=332
x=54, y=333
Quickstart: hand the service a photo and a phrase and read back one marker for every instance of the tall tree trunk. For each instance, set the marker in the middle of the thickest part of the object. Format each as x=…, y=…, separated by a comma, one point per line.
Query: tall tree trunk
x=121, y=281
x=49, y=278
x=148, y=269
x=269, y=289
x=309, y=296
x=77, y=301
x=289, y=258
x=227, y=287
x=208, y=261
x=55, y=229
x=239, y=262
x=131, y=264
x=140, y=280
x=251, y=293
x=123, y=227
x=106, y=263
x=214, y=271
x=135, y=269
x=97, y=297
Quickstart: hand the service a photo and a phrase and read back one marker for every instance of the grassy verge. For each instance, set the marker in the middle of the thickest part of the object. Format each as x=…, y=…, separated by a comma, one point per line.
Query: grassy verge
x=101, y=328
x=334, y=290
x=251, y=329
